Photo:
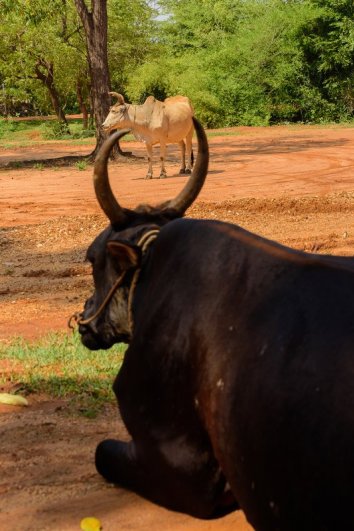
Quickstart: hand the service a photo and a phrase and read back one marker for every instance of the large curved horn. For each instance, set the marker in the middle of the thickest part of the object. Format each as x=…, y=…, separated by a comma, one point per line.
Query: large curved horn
x=119, y=97
x=195, y=182
x=103, y=190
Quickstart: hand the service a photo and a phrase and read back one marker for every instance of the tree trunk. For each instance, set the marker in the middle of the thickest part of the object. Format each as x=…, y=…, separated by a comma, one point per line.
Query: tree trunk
x=82, y=105
x=47, y=78
x=95, y=26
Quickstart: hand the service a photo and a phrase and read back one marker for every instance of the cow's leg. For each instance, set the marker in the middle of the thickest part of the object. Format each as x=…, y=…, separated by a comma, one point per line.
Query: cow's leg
x=149, y=150
x=182, y=146
x=163, y=173
x=189, y=138
x=173, y=481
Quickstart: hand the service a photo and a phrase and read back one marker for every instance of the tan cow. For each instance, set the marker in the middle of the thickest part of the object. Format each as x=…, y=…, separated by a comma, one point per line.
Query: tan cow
x=156, y=122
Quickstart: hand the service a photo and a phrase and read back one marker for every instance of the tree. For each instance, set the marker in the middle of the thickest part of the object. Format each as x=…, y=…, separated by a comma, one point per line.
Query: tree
x=95, y=25
x=328, y=45
x=40, y=48
x=240, y=61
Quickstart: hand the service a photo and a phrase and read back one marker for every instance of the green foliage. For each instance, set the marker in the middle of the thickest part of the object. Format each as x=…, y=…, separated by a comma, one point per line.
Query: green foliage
x=29, y=132
x=61, y=366
x=328, y=46
x=6, y=127
x=56, y=131
x=253, y=63
x=82, y=133
x=81, y=165
x=249, y=62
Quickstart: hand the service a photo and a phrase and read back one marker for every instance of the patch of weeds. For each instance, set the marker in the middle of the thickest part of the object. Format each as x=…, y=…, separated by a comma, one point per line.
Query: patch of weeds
x=83, y=133
x=56, y=131
x=7, y=126
x=60, y=366
x=81, y=165
x=38, y=166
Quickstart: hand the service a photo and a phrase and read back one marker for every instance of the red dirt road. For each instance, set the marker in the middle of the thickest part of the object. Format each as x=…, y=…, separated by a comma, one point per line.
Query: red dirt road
x=291, y=184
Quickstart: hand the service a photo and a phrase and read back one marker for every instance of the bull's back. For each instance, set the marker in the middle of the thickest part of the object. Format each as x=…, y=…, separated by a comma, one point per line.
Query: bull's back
x=282, y=393
x=178, y=118
x=275, y=330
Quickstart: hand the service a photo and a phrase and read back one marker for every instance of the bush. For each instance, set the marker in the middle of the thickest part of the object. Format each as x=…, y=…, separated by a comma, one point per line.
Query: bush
x=56, y=131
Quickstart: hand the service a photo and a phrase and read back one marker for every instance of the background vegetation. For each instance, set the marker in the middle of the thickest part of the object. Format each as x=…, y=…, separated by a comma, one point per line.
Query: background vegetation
x=59, y=365
x=251, y=62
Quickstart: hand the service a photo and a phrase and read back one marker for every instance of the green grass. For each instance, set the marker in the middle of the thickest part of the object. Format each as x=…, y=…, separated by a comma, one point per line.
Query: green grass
x=61, y=367
x=26, y=133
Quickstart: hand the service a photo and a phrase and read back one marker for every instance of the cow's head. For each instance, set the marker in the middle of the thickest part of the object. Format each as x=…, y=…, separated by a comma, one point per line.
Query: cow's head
x=117, y=113
x=118, y=252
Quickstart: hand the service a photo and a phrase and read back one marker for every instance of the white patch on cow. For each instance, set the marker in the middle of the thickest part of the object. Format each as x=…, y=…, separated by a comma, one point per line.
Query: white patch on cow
x=196, y=402
x=274, y=507
x=263, y=350
x=231, y=328
x=220, y=384
x=227, y=487
x=180, y=454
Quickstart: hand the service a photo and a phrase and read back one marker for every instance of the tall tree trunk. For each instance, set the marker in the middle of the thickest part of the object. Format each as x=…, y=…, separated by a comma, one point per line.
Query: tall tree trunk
x=95, y=26
x=45, y=73
x=82, y=105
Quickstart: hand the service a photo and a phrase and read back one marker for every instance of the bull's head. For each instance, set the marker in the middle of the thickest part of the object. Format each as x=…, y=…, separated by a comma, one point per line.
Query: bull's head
x=118, y=252
x=117, y=113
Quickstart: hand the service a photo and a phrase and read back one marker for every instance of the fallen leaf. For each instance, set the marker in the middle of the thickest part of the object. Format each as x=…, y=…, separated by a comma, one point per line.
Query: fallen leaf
x=90, y=524
x=13, y=400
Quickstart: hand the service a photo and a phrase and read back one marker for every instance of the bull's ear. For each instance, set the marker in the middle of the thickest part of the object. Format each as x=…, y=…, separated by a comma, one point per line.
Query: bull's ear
x=127, y=256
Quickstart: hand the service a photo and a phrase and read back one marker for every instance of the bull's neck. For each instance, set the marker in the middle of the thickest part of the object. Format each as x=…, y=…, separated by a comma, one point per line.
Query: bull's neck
x=137, y=117
x=144, y=243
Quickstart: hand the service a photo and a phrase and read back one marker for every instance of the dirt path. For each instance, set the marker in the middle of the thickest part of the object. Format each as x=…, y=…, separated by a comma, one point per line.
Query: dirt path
x=295, y=185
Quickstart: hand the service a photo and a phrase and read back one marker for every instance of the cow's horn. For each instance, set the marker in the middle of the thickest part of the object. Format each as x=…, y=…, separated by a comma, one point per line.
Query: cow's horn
x=104, y=194
x=194, y=184
x=119, y=97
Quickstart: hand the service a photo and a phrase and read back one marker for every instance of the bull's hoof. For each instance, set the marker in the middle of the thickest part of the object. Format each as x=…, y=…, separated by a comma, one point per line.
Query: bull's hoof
x=148, y=176
x=188, y=171
x=182, y=171
x=163, y=175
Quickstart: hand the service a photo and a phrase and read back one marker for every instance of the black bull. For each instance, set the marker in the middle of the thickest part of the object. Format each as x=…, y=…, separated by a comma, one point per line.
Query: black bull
x=237, y=387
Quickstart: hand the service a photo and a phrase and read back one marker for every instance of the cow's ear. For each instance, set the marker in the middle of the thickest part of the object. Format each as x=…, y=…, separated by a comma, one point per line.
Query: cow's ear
x=127, y=256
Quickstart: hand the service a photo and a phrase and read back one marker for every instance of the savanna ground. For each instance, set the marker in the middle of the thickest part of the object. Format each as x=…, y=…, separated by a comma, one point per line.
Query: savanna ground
x=291, y=184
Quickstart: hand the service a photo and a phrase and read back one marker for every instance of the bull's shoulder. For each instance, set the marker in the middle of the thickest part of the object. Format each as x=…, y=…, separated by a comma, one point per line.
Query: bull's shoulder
x=151, y=101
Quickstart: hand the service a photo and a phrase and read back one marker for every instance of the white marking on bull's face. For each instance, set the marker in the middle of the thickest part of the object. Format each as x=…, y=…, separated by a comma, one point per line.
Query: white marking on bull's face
x=114, y=117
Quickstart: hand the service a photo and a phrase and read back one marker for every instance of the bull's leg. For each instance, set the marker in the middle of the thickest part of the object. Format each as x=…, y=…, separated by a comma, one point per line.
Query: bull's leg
x=182, y=146
x=189, y=151
x=163, y=173
x=149, y=150
x=199, y=490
